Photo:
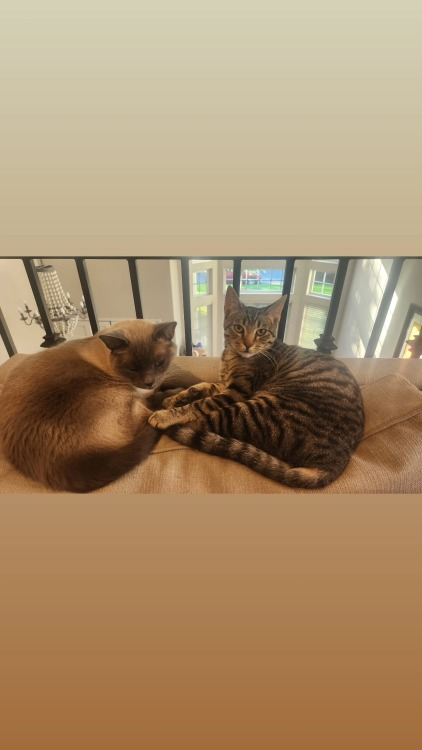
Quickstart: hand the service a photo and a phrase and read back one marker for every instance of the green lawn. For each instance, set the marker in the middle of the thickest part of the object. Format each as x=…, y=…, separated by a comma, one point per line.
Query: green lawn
x=275, y=287
x=325, y=289
x=200, y=289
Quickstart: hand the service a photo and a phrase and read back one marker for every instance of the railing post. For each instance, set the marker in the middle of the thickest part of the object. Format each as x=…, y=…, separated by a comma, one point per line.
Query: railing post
x=134, y=280
x=51, y=338
x=86, y=291
x=186, y=305
x=325, y=342
x=384, y=306
x=237, y=272
x=5, y=334
x=287, y=288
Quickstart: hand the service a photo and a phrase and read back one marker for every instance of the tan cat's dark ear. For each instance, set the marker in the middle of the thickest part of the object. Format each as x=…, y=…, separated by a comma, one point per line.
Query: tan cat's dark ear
x=165, y=331
x=114, y=341
x=275, y=310
x=231, y=301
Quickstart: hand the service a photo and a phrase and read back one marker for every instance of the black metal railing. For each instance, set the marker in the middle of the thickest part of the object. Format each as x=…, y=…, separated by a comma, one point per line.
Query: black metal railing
x=287, y=288
x=6, y=336
x=325, y=343
x=87, y=293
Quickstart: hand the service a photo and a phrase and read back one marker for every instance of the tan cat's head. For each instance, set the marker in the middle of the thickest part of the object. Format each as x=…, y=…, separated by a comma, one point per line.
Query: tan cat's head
x=140, y=351
x=249, y=330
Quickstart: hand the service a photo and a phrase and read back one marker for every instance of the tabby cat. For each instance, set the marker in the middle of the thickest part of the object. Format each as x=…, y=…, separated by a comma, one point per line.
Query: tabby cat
x=291, y=414
x=75, y=417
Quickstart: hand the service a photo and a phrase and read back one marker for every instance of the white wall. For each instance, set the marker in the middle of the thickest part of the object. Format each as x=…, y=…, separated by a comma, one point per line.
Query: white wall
x=111, y=290
x=361, y=305
x=362, y=300
x=159, y=298
x=14, y=291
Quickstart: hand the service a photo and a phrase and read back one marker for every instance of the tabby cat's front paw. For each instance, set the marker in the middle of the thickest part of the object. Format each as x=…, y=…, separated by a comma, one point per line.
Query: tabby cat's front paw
x=185, y=397
x=179, y=400
x=167, y=417
x=194, y=393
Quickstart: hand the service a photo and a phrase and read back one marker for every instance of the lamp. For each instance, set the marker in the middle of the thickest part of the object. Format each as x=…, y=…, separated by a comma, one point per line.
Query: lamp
x=63, y=313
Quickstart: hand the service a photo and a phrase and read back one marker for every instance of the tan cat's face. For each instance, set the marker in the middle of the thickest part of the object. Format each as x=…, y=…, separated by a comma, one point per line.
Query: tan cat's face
x=250, y=330
x=140, y=351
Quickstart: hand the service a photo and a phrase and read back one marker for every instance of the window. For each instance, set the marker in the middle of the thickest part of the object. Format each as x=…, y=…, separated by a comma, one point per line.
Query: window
x=258, y=280
x=248, y=279
x=201, y=327
x=261, y=283
x=322, y=282
x=308, y=309
x=204, y=307
x=201, y=283
x=410, y=332
x=313, y=323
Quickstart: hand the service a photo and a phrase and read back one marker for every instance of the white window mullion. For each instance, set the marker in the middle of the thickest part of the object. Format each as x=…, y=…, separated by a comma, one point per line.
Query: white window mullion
x=202, y=304
x=297, y=303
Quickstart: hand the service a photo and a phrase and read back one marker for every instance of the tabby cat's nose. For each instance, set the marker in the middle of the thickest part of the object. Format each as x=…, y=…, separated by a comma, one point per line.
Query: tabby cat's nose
x=248, y=342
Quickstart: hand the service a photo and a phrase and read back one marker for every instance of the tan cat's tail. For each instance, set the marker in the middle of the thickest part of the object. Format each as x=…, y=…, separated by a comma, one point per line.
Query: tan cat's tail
x=246, y=454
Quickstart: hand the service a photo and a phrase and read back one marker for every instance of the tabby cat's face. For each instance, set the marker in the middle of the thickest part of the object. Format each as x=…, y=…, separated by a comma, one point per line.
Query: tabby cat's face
x=140, y=351
x=249, y=330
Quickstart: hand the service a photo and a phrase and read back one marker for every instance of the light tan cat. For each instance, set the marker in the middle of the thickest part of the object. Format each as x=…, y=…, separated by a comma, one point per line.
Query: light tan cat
x=73, y=416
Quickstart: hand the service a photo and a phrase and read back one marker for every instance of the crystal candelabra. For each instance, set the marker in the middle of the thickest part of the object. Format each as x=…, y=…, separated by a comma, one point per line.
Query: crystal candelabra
x=63, y=313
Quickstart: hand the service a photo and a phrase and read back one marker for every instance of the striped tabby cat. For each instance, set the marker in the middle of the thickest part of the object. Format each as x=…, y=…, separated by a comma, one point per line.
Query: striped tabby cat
x=291, y=414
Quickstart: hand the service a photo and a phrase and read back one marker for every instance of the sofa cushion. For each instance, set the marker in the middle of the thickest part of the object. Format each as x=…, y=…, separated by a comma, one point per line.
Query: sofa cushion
x=388, y=459
x=364, y=370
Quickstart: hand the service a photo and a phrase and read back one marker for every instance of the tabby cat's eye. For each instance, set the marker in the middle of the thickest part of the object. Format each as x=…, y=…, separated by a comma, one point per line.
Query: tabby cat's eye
x=159, y=363
x=238, y=328
x=261, y=331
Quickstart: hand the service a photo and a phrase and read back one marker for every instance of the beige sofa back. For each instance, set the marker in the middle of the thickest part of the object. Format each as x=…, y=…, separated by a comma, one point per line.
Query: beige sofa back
x=388, y=459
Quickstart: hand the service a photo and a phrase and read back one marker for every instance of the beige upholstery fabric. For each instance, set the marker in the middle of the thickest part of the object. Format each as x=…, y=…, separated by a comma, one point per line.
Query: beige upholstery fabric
x=364, y=370
x=388, y=460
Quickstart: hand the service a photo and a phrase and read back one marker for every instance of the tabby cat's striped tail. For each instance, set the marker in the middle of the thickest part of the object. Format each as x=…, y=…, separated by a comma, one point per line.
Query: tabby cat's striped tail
x=246, y=454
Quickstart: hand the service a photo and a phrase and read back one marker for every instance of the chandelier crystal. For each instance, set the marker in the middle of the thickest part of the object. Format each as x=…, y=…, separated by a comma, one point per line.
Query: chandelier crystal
x=63, y=313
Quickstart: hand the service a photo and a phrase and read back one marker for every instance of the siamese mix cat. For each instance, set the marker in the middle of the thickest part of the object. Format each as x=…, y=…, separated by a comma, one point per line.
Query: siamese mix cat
x=75, y=417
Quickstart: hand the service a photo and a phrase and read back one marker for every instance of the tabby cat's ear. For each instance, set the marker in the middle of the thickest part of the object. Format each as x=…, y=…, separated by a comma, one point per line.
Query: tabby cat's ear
x=231, y=301
x=274, y=311
x=114, y=341
x=164, y=331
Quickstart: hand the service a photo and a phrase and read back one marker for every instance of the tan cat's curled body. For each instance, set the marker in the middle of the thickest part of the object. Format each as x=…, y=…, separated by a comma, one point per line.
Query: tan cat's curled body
x=74, y=417
x=291, y=414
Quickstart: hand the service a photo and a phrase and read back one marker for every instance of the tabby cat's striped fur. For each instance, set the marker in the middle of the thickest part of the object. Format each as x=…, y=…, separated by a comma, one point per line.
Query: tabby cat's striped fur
x=291, y=414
